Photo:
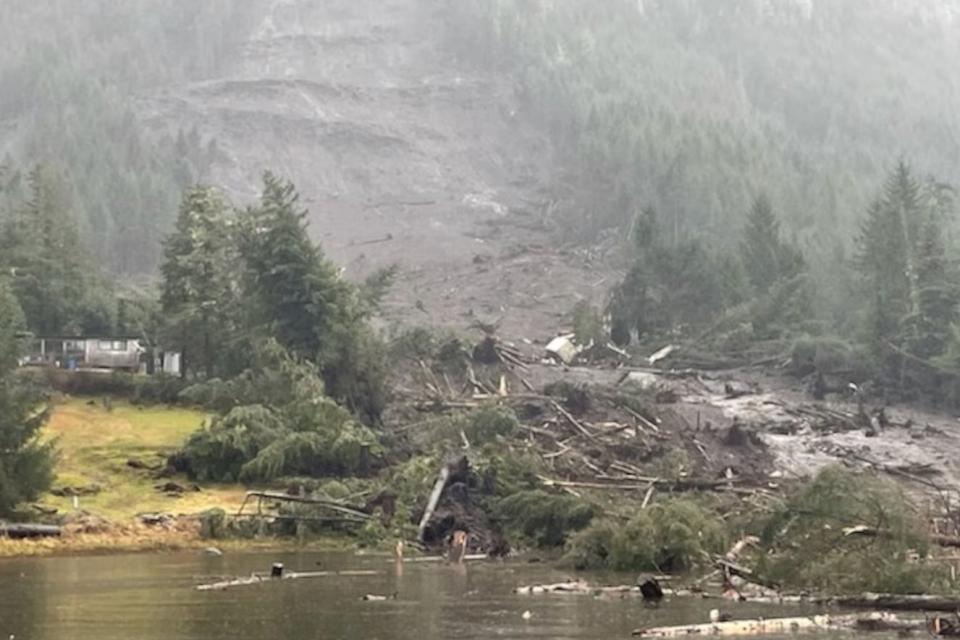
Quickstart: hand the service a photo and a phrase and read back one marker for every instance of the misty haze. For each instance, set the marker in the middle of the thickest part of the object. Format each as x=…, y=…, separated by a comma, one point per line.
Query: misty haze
x=479, y=318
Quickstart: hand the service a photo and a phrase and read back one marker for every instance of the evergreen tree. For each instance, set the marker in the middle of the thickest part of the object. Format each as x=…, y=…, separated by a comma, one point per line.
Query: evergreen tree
x=25, y=463
x=54, y=280
x=294, y=294
x=760, y=245
x=198, y=289
x=766, y=258
x=667, y=286
x=885, y=255
x=927, y=331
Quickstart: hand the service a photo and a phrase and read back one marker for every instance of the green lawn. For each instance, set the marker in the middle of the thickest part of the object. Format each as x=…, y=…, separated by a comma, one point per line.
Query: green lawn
x=95, y=444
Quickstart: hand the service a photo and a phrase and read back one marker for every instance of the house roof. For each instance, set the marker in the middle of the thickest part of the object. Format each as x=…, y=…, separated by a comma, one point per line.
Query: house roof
x=95, y=337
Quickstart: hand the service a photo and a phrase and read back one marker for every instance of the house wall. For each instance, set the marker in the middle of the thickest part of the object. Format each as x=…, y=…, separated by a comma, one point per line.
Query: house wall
x=112, y=354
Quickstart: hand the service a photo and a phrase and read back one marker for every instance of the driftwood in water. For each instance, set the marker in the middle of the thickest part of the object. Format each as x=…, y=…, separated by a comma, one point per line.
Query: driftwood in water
x=580, y=587
x=779, y=626
x=894, y=602
x=470, y=557
x=22, y=531
x=258, y=578
x=575, y=587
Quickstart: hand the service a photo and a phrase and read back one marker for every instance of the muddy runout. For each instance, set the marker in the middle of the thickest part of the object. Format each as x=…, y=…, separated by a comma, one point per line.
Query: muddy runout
x=615, y=435
x=613, y=431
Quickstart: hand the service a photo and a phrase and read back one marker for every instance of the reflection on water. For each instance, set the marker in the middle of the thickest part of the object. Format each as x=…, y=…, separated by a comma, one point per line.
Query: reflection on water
x=149, y=597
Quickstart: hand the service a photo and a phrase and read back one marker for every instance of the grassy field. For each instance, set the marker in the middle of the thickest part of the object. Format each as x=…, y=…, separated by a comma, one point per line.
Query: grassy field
x=95, y=443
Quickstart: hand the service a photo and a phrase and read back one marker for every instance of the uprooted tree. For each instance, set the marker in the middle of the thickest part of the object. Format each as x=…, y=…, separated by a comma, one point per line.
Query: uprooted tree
x=275, y=421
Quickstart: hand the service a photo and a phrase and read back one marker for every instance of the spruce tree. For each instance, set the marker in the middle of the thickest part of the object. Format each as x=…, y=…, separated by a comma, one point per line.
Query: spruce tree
x=761, y=244
x=25, y=463
x=294, y=291
x=884, y=259
x=198, y=289
x=928, y=330
x=766, y=257
x=55, y=282
x=295, y=295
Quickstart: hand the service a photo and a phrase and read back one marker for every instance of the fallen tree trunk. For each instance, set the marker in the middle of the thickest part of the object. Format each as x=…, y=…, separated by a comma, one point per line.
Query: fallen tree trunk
x=663, y=485
x=893, y=602
x=438, y=488
x=24, y=531
x=319, y=502
x=778, y=626
x=871, y=532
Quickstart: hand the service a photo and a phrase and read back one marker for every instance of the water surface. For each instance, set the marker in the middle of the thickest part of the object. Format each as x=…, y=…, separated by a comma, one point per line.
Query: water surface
x=147, y=597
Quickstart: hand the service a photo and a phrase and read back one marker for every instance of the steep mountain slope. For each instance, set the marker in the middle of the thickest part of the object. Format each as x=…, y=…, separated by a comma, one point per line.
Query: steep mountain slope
x=402, y=156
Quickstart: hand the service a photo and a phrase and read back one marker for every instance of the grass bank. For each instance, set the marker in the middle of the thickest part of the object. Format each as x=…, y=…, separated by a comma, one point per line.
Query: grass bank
x=96, y=441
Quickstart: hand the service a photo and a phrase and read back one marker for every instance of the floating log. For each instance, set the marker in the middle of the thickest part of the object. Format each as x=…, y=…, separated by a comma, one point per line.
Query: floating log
x=24, y=531
x=470, y=557
x=778, y=626
x=894, y=602
x=573, y=586
x=259, y=578
x=580, y=587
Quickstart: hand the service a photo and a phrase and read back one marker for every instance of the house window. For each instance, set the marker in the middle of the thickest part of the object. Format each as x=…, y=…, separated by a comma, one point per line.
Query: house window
x=112, y=345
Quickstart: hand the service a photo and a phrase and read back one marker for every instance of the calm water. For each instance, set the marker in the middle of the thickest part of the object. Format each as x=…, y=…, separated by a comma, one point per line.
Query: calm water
x=146, y=597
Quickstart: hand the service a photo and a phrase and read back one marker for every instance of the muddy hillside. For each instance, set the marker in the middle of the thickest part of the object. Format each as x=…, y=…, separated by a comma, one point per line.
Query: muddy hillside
x=402, y=155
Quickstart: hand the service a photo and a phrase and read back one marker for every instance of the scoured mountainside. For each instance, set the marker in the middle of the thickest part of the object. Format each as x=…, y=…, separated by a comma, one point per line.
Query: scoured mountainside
x=403, y=157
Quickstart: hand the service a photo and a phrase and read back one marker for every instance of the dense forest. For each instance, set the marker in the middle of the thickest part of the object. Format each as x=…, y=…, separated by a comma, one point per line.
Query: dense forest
x=784, y=169
x=694, y=107
x=691, y=107
x=71, y=73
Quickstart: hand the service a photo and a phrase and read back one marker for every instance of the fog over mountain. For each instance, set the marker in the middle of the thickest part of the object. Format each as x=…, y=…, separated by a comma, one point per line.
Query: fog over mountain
x=597, y=108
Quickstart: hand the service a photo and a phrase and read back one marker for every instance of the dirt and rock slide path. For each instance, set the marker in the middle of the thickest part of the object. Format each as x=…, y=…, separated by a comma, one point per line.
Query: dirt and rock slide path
x=403, y=155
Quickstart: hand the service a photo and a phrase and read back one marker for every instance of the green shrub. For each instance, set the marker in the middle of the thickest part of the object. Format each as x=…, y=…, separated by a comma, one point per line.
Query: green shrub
x=137, y=388
x=506, y=471
x=489, y=423
x=807, y=543
x=592, y=547
x=417, y=343
x=544, y=519
x=483, y=426
x=673, y=536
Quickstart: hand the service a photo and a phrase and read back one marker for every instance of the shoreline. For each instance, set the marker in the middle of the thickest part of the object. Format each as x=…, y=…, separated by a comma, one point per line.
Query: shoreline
x=160, y=541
